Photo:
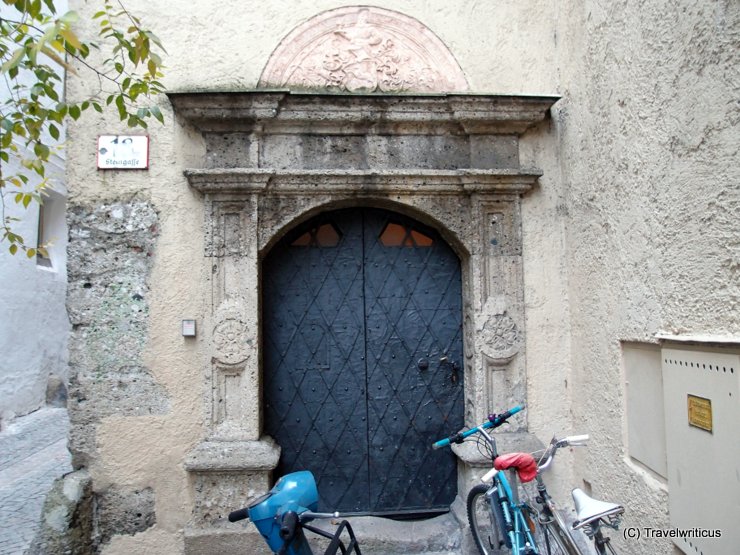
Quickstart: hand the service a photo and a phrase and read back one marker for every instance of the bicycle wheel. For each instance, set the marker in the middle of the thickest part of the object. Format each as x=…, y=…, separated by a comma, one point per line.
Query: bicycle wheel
x=550, y=540
x=484, y=526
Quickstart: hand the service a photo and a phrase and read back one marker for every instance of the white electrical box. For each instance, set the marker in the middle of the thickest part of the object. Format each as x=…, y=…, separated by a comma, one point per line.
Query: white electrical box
x=702, y=411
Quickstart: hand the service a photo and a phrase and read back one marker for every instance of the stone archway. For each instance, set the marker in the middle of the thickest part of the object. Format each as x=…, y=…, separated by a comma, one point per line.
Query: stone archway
x=276, y=158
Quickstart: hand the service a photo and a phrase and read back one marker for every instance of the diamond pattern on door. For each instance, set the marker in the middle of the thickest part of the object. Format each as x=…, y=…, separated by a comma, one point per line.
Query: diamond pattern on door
x=363, y=354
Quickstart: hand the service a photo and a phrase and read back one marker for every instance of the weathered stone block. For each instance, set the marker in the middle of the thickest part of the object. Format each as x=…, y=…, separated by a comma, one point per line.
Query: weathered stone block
x=227, y=474
x=119, y=511
x=110, y=252
x=67, y=518
x=229, y=150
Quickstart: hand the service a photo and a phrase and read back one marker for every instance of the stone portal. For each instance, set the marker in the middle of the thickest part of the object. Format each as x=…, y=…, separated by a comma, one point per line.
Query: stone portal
x=275, y=160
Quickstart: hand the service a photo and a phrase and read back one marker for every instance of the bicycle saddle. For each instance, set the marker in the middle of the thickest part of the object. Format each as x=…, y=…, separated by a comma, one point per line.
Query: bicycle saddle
x=524, y=463
x=589, y=509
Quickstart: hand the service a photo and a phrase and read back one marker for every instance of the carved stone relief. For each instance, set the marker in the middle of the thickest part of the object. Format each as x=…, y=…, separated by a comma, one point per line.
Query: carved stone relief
x=229, y=341
x=233, y=341
x=499, y=337
x=361, y=50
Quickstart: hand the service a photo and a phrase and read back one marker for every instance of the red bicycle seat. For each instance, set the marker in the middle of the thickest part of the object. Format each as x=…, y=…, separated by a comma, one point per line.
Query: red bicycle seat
x=524, y=463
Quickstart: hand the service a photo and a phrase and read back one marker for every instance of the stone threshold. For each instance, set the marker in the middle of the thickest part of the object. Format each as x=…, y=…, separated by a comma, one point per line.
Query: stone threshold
x=441, y=535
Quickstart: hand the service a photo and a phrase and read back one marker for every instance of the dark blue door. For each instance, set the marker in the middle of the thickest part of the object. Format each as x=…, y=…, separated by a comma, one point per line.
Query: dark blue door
x=362, y=359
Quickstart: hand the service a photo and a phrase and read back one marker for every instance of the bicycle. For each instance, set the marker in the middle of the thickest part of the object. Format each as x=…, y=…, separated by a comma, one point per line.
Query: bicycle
x=499, y=522
x=591, y=514
x=282, y=514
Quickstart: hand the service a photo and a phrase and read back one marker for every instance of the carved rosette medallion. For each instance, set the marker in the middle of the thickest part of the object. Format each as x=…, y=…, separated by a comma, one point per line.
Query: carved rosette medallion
x=363, y=50
x=499, y=338
x=232, y=339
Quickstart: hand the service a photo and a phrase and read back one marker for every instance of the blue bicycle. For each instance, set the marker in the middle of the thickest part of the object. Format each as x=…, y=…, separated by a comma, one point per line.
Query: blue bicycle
x=282, y=515
x=501, y=523
x=496, y=518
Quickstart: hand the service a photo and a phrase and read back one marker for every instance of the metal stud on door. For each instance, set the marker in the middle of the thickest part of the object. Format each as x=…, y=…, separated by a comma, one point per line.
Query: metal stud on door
x=363, y=353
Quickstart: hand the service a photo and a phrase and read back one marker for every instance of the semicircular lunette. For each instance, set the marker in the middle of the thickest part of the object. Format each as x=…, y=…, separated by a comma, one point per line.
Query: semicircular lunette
x=362, y=49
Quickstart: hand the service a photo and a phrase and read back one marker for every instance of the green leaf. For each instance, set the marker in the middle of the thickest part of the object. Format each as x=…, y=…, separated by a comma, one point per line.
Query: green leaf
x=74, y=112
x=98, y=107
x=51, y=92
x=157, y=114
x=27, y=198
x=121, y=105
x=50, y=6
x=13, y=248
x=54, y=131
x=30, y=253
x=41, y=150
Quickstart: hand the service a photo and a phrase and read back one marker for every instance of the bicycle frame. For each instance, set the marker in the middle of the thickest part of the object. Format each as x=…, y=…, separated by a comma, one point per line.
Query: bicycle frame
x=520, y=536
x=501, y=496
x=550, y=510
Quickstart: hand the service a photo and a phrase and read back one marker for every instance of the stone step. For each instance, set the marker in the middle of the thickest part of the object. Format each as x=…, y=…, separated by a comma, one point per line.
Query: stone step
x=440, y=535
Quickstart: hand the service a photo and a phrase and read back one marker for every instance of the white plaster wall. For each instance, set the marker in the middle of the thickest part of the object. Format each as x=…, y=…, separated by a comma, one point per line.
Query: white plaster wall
x=33, y=317
x=33, y=324
x=630, y=231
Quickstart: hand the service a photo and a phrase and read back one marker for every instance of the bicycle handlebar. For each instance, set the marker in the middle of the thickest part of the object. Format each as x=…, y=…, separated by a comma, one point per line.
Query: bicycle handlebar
x=241, y=514
x=555, y=444
x=494, y=421
x=288, y=526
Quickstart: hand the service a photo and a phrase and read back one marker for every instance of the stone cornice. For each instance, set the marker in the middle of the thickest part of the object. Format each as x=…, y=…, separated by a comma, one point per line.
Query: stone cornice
x=283, y=112
x=301, y=182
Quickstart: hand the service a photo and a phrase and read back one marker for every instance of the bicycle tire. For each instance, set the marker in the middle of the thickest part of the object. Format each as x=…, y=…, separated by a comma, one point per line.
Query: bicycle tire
x=486, y=531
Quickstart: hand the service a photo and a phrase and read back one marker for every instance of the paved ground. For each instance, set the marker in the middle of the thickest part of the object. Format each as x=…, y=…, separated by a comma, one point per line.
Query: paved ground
x=33, y=453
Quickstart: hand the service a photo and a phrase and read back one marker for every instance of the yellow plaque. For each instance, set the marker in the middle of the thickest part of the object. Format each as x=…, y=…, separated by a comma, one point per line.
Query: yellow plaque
x=700, y=412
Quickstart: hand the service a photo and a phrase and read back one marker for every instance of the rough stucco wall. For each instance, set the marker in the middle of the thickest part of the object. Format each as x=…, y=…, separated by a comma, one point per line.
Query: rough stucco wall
x=629, y=190
x=649, y=136
x=227, y=49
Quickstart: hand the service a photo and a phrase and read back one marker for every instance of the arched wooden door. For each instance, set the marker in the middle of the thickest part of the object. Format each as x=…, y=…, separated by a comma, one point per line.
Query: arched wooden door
x=363, y=359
